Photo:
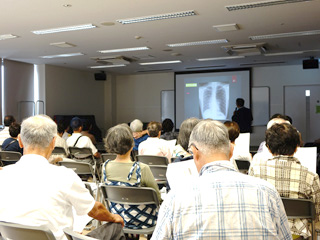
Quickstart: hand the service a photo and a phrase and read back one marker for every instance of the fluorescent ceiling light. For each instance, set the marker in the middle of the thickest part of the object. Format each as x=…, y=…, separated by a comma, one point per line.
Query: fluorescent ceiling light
x=63, y=44
x=261, y=4
x=198, y=43
x=219, y=58
x=63, y=55
x=7, y=36
x=283, y=35
x=283, y=53
x=157, y=17
x=64, y=29
x=124, y=50
x=108, y=66
x=226, y=27
x=164, y=62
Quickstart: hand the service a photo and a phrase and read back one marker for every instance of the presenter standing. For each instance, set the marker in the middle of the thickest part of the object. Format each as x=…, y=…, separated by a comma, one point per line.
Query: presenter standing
x=242, y=116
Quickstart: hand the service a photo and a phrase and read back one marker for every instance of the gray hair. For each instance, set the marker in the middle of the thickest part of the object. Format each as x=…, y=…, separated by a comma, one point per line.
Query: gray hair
x=210, y=136
x=119, y=139
x=38, y=131
x=136, y=125
x=276, y=120
x=185, y=130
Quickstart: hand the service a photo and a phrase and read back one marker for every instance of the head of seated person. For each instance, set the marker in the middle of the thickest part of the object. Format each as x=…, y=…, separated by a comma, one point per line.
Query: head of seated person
x=119, y=140
x=233, y=130
x=14, y=130
x=8, y=120
x=282, y=139
x=76, y=124
x=279, y=115
x=167, y=125
x=154, y=129
x=185, y=130
x=136, y=125
x=61, y=128
x=86, y=126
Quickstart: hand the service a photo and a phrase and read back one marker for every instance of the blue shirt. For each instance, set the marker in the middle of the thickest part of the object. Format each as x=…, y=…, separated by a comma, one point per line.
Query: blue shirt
x=139, y=140
x=223, y=204
x=12, y=147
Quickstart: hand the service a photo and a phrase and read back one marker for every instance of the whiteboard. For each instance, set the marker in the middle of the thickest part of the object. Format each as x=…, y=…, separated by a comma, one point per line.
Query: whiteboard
x=260, y=105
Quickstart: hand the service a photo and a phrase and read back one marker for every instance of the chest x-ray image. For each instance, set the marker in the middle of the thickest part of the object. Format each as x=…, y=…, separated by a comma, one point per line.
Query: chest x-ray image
x=214, y=100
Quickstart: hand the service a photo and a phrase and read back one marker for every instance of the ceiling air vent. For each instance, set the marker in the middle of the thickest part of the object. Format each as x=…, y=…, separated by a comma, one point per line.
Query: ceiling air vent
x=114, y=60
x=245, y=49
x=261, y=4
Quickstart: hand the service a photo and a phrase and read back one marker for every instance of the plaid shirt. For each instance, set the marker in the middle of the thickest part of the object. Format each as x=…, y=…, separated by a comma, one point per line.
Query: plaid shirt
x=292, y=180
x=223, y=204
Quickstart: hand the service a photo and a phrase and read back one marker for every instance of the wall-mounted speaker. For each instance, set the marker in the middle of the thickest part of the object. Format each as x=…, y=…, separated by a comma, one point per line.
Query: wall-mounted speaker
x=310, y=63
x=100, y=76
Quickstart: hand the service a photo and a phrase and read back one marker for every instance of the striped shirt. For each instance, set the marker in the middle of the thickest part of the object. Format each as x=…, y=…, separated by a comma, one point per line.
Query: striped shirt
x=292, y=180
x=223, y=204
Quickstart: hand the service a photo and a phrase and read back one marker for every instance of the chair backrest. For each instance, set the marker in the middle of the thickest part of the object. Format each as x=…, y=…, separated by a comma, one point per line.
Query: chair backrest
x=152, y=159
x=59, y=150
x=107, y=156
x=159, y=172
x=15, y=231
x=243, y=165
x=8, y=157
x=129, y=195
x=80, y=168
x=71, y=235
x=301, y=208
x=81, y=154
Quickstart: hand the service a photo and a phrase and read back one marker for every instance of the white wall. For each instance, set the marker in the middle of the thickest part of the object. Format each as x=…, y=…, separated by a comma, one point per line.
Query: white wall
x=70, y=91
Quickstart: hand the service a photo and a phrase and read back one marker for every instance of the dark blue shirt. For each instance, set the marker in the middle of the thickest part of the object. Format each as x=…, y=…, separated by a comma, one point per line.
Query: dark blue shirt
x=6, y=146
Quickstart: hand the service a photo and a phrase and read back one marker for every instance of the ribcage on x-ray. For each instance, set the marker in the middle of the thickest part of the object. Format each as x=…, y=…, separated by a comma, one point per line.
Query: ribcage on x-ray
x=207, y=95
x=221, y=99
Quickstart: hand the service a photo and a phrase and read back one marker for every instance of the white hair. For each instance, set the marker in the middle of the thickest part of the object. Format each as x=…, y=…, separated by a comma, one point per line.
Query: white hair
x=276, y=120
x=136, y=125
x=38, y=131
x=210, y=136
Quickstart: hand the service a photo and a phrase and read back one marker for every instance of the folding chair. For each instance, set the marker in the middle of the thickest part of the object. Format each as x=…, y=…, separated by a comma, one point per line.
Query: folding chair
x=107, y=156
x=80, y=168
x=8, y=157
x=82, y=154
x=152, y=159
x=131, y=196
x=243, y=165
x=301, y=208
x=71, y=235
x=59, y=151
x=159, y=173
x=15, y=231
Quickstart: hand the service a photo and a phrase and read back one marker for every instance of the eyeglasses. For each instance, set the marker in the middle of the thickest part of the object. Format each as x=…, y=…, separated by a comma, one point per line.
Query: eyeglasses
x=189, y=148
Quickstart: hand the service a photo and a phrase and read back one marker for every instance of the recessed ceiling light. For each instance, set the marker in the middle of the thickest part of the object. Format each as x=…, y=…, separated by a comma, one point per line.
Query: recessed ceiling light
x=226, y=27
x=67, y=5
x=283, y=53
x=199, y=43
x=63, y=44
x=108, y=66
x=261, y=4
x=124, y=50
x=7, y=36
x=63, y=55
x=283, y=35
x=157, y=17
x=64, y=29
x=164, y=62
x=219, y=58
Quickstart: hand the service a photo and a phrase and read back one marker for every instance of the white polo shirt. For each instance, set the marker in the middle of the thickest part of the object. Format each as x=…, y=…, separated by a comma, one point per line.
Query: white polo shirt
x=36, y=193
x=83, y=142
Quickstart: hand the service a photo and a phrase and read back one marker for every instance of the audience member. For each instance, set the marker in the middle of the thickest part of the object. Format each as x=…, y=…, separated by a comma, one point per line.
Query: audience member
x=87, y=126
x=12, y=144
x=66, y=133
x=238, y=153
x=36, y=193
x=60, y=142
x=167, y=130
x=136, y=127
x=242, y=116
x=181, y=149
x=122, y=171
x=285, y=172
x=78, y=140
x=4, y=133
x=222, y=203
x=154, y=145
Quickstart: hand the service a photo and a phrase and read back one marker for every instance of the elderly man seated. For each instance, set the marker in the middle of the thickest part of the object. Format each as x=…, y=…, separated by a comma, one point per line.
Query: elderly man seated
x=154, y=145
x=222, y=203
x=36, y=193
x=285, y=172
